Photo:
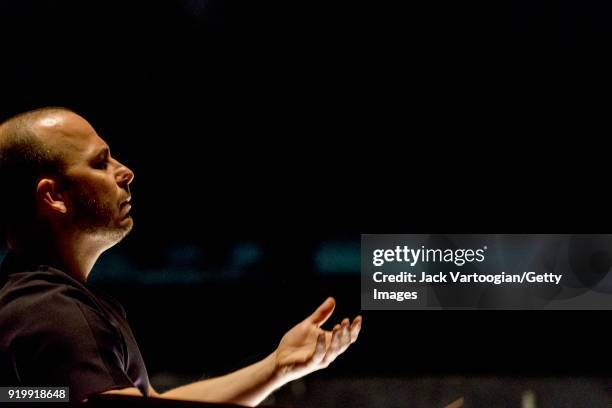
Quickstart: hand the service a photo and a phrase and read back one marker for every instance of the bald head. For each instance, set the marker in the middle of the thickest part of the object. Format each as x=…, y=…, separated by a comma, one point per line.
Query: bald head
x=27, y=152
x=31, y=128
x=27, y=132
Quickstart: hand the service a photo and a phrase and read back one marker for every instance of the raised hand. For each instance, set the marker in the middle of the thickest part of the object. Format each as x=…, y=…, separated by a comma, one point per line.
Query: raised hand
x=307, y=348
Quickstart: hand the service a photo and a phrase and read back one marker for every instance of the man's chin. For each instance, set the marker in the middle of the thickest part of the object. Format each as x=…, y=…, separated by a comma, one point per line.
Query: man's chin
x=127, y=224
x=112, y=235
x=121, y=230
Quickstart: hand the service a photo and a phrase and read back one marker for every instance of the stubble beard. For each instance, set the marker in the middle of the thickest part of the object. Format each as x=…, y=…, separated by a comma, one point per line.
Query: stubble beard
x=98, y=218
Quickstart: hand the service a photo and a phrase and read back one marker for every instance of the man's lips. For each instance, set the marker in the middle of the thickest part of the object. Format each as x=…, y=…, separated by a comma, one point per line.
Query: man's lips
x=125, y=209
x=126, y=206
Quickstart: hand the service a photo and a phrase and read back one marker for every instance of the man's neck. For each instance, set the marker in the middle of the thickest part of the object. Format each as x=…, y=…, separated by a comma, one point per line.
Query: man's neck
x=74, y=255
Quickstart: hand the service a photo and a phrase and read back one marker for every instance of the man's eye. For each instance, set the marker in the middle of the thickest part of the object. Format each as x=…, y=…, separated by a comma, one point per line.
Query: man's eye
x=102, y=165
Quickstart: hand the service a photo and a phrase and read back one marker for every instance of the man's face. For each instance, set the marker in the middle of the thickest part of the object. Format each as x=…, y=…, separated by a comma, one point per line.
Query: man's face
x=96, y=186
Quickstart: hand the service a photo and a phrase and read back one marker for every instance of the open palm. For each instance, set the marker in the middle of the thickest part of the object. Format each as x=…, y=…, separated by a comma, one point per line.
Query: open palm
x=307, y=348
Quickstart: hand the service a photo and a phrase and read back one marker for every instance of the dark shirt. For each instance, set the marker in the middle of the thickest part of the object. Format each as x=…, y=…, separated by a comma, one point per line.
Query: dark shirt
x=56, y=331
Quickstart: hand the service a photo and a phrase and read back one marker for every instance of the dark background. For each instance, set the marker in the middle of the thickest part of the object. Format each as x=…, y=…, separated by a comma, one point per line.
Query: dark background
x=266, y=136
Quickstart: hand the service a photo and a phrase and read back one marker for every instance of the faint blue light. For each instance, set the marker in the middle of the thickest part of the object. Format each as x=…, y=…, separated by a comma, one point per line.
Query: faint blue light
x=338, y=257
x=182, y=255
x=114, y=268
x=245, y=255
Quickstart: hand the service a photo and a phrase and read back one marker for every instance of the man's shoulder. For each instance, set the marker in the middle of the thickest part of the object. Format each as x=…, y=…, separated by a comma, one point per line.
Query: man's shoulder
x=44, y=299
x=43, y=285
x=38, y=298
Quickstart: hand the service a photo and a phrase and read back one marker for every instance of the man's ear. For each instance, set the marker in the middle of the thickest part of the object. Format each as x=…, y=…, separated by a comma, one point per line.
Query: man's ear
x=49, y=196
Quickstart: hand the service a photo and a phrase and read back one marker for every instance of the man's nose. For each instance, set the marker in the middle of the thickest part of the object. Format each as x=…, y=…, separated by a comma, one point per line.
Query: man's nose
x=124, y=175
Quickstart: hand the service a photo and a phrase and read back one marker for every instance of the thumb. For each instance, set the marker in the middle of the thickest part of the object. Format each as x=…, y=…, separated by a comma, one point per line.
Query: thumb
x=323, y=312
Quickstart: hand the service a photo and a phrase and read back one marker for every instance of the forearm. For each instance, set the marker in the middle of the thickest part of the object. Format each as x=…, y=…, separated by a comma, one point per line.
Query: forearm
x=303, y=349
x=247, y=386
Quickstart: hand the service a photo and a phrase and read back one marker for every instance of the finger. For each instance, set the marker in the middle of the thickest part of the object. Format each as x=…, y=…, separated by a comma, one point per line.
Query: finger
x=355, y=328
x=337, y=342
x=345, y=336
x=334, y=347
x=333, y=344
x=323, y=312
x=319, y=353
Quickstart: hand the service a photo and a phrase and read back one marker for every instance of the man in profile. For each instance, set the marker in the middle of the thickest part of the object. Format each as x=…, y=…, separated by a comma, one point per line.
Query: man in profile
x=66, y=200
